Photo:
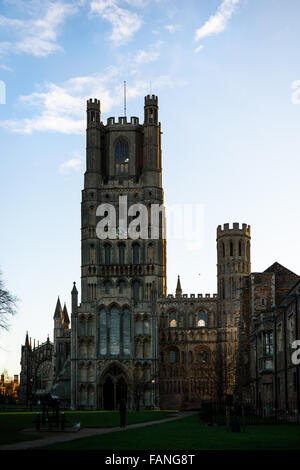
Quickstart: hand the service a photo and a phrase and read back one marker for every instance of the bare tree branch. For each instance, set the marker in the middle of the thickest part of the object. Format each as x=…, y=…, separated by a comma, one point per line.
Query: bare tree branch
x=8, y=306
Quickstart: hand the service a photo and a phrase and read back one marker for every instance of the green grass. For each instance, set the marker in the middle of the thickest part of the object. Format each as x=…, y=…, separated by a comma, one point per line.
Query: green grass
x=190, y=434
x=11, y=423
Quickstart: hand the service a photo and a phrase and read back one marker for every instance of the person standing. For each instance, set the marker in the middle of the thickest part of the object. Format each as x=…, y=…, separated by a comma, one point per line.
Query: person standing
x=123, y=409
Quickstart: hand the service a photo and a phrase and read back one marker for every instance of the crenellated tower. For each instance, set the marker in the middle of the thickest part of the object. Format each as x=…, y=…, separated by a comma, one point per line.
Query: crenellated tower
x=121, y=274
x=233, y=254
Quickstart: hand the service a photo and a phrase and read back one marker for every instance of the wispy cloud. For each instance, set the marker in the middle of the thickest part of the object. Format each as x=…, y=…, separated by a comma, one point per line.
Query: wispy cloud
x=5, y=68
x=149, y=55
x=73, y=164
x=124, y=22
x=171, y=28
x=199, y=48
x=38, y=35
x=217, y=23
x=62, y=107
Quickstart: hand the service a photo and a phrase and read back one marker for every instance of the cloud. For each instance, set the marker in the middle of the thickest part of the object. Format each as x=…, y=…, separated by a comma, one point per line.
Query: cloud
x=124, y=22
x=199, y=48
x=74, y=164
x=172, y=27
x=5, y=67
x=36, y=36
x=62, y=107
x=217, y=23
x=149, y=55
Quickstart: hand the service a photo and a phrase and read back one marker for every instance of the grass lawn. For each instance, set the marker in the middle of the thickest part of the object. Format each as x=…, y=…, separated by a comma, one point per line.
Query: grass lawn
x=11, y=423
x=190, y=434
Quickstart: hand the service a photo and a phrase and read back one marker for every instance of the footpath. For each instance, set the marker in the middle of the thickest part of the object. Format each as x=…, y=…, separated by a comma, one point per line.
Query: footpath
x=50, y=438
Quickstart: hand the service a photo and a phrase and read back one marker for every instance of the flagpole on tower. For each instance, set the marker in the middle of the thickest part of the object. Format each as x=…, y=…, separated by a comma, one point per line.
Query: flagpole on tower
x=124, y=98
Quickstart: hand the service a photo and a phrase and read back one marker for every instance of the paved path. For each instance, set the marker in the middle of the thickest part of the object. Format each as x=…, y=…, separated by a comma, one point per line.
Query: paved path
x=52, y=438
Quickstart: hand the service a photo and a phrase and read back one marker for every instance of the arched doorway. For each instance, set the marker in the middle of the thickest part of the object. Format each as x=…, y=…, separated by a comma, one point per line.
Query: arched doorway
x=108, y=394
x=121, y=390
x=113, y=388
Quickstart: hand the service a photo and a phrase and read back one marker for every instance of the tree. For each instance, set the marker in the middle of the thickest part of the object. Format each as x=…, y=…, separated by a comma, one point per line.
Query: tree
x=8, y=304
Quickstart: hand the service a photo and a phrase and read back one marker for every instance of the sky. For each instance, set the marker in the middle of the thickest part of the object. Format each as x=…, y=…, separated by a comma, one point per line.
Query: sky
x=227, y=75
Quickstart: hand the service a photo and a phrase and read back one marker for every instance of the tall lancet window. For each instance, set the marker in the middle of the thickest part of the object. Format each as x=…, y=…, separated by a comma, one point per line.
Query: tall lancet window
x=136, y=253
x=107, y=252
x=121, y=254
x=114, y=338
x=126, y=332
x=102, y=332
x=122, y=156
x=201, y=319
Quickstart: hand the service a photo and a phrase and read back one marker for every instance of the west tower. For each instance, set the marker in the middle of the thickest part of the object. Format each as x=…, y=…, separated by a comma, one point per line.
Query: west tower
x=121, y=277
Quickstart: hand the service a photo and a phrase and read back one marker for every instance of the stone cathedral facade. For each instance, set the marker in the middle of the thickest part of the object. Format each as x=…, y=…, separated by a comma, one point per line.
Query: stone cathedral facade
x=128, y=337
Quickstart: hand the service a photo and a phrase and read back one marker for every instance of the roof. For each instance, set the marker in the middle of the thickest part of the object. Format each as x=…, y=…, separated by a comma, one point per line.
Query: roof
x=277, y=268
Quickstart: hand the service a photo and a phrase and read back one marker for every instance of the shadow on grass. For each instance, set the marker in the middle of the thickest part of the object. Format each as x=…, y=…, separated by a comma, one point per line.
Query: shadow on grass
x=190, y=434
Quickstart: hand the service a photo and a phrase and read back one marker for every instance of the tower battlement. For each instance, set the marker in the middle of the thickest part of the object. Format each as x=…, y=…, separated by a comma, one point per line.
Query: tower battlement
x=93, y=104
x=151, y=100
x=235, y=230
x=122, y=121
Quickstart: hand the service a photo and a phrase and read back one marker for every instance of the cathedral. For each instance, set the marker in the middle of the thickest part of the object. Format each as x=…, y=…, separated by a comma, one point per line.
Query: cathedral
x=127, y=337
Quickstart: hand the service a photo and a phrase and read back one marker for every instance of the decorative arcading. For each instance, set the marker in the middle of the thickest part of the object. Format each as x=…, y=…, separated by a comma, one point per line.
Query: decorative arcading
x=193, y=297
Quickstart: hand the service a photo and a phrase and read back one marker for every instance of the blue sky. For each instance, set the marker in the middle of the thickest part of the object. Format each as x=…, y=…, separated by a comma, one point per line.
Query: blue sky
x=227, y=76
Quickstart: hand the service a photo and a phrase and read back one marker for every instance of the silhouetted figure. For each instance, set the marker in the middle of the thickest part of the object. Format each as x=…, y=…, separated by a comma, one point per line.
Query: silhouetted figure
x=38, y=422
x=123, y=412
x=234, y=422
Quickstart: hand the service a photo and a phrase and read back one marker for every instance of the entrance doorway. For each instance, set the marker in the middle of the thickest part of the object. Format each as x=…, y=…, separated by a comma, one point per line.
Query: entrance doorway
x=108, y=394
x=121, y=390
x=113, y=388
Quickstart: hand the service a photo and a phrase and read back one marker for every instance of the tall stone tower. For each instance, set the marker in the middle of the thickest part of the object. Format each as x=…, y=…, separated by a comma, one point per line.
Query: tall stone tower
x=233, y=253
x=123, y=266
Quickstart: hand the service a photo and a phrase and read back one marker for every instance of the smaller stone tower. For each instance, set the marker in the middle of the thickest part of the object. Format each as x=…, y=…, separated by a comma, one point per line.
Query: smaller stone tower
x=233, y=252
x=93, y=144
x=152, y=143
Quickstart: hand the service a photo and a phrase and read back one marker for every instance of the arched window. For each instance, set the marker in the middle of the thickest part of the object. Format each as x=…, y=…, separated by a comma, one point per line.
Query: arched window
x=202, y=357
x=102, y=332
x=173, y=356
x=240, y=248
x=107, y=251
x=201, y=319
x=122, y=156
x=231, y=248
x=172, y=320
x=122, y=254
x=121, y=286
x=136, y=253
x=248, y=251
x=136, y=290
x=114, y=337
x=90, y=327
x=107, y=287
x=122, y=151
x=146, y=326
x=150, y=253
x=223, y=249
x=126, y=331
